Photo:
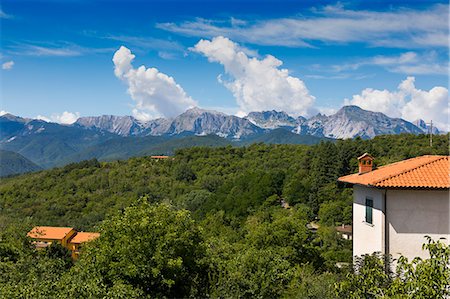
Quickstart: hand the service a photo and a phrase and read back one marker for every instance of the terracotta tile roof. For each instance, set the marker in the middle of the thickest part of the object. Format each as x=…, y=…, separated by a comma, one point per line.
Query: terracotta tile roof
x=159, y=157
x=82, y=237
x=49, y=232
x=428, y=172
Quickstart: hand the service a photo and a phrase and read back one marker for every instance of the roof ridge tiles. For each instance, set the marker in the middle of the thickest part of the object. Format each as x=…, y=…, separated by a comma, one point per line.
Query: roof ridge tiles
x=428, y=171
x=401, y=172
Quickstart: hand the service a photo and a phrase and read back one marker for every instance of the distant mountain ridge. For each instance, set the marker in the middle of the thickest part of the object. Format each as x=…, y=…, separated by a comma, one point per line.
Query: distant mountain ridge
x=111, y=137
x=352, y=121
x=194, y=121
x=273, y=119
x=348, y=122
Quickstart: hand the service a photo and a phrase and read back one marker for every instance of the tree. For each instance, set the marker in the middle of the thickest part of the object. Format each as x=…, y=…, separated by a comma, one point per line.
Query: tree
x=420, y=278
x=425, y=278
x=148, y=250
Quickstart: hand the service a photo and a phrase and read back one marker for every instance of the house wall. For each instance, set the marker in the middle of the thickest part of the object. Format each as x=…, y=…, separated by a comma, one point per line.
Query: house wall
x=367, y=238
x=411, y=215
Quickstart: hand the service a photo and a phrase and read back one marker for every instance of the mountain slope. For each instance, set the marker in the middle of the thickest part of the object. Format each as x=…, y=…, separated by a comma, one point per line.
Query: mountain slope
x=120, y=125
x=12, y=163
x=203, y=122
x=119, y=137
x=352, y=121
x=194, y=121
x=46, y=144
x=272, y=119
x=125, y=147
x=283, y=136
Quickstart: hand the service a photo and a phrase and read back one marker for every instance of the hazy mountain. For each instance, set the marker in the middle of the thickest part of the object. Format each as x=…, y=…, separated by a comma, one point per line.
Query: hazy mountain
x=12, y=163
x=118, y=137
x=352, y=121
x=283, y=136
x=273, y=119
x=120, y=125
x=204, y=122
x=126, y=147
x=421, y=124
x=46, y=144
x=194, y=121
x=348, y=122
x=11, y=125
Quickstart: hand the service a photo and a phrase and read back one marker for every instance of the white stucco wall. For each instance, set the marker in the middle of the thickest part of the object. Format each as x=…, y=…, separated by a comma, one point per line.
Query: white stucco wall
x=367, y=238
x=411, y=215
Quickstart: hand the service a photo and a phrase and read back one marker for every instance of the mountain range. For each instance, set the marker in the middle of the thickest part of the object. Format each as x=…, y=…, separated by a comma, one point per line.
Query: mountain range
x=348, y=122
x=111, y=137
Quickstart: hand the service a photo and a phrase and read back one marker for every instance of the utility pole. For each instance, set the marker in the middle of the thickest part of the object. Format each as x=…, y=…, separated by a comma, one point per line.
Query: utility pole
x=431, y=133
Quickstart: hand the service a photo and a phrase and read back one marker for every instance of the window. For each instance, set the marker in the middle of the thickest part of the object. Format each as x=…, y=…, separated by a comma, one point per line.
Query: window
x=369, y=208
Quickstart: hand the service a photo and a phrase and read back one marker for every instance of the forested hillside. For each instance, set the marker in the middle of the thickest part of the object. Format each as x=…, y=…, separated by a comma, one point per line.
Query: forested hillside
x=12, y=163
x=206, y=223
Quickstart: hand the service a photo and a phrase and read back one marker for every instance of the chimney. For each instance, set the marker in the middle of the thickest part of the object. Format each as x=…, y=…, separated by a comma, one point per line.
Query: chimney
x=365, y=163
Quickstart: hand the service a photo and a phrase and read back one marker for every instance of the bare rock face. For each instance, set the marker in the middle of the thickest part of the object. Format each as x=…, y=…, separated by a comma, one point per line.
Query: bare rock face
x=120, y=125
x=273, y=119
x=348, y=122
x=352, y=121
x=421, y=124
x=203, y=122
x=156, y=127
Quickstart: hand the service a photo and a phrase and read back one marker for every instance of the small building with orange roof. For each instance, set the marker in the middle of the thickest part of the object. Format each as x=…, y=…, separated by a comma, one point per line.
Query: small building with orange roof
x=397, y=205
x=46, y=235
x=78, y=240
x=68, y=237
x=159, y=157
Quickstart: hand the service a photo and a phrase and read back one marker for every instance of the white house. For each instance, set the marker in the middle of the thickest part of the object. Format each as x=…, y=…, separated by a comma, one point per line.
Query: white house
x=397, y=205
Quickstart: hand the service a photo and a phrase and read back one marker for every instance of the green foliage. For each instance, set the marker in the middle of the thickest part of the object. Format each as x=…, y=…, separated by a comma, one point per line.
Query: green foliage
x=264, y=260
x=153, y=249
x=239, y=241
x=12, y=163
x=308, y=283
x=420, y=278
x=429, y=278
x=370, y=280
x=25, y=272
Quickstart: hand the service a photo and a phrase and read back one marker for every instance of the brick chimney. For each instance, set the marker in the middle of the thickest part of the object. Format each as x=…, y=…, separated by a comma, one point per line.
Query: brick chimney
x=365, y=163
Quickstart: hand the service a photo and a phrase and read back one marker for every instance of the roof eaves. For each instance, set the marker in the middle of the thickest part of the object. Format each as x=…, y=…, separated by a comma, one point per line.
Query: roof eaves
x=378, y=182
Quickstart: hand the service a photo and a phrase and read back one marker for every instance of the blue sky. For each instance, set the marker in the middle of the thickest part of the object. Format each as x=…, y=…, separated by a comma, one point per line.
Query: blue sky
x=57, y=56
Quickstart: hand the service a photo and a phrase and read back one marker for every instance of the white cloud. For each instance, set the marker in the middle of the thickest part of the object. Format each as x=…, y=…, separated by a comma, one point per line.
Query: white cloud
x=41, y=117
x=407, y=102
x=4, y=15
x=8, y=65
x=167, y=55
x=148, y=42
x=257, y=84
x=65, y=118
x=141, y=115
x=405, y=63
x=398, y=27
x=156, y=94
x=3, y=112
x=60, y=49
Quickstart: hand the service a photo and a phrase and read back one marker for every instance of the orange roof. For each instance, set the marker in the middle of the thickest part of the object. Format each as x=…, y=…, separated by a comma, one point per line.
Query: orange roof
x=159, y=157
x=429, y=172
x=82, y=237
x=49, y=232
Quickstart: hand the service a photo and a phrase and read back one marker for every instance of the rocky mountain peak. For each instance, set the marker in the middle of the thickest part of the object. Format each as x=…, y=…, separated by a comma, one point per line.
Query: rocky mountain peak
x=272, y=119
x=120, y=125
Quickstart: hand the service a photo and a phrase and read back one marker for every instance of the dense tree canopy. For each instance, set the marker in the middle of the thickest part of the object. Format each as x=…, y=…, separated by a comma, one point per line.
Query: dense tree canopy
x=209, y=222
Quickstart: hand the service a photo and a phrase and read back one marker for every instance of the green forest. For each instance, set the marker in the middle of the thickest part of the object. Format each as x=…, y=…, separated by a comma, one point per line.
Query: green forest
x=209, y=222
